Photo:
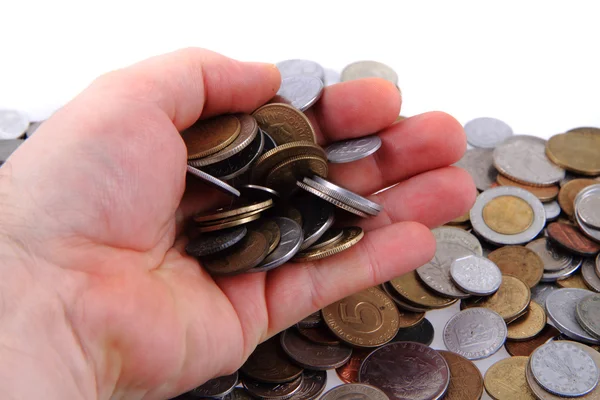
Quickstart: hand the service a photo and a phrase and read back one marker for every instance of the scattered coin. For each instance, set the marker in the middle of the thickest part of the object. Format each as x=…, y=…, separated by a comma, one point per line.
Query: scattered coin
x=466, y=382
x=355, y=391
x=576, y=151
x=217, y=387
x=544, y=194
x=13, y=124
x=312, y=355
x=506, y=380
x=284, y=123
x=479, y=164
x=250, y=251
x=350, y=237
x=529, y=325
x=207, y=244
x=561, y=306
x=422, y=332
x=552, y=210
x=487, y=132
x=273, y=391
x=553, y=259
x=476, y=275
x=214, y=182
x=568, y=192
x=587, y=205
x=519, y=261
x=352, y=150
x=313, y=384
x=269, y=363
x=296, y=67
x=369, y=69
x=588, y=314
x=289, y=244
x=570, y=238
x=588, y=272
x=526, y=347
x=7, y=147
x=412, y=290
x=300, y=91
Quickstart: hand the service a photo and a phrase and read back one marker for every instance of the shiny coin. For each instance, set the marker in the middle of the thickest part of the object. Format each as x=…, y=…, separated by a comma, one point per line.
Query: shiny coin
x=352, y=150
x=217, y=387
x=573, y=281
x=331, y=77
x=256, y=193
x=568, y=192
x=552, y=210
x=13, y=124
x=587, y=206
x=228, y=222
x=235, y=209
x=291, y=239
x=295, y=67
x=330, y=199
x=422, y=332
x=412, y=290
x=476, y=275
x=330, y=237
x=564, y=369
x=7, y=147
x=312, y=355
x=348, y=372
x=269, y=363
x=344, y=195
x=507, y=215
x=529, y=325
x=369, y=69
x=561, y=306
x=214, y=182
x=319, y=335
x=32, y=128
x=545, y=194
x=588, y=272
x=466, y=382
x=475, y=333
x=479, y=164
x=590, y=232
x=284, y=175
x=519, y=261
x=284, y=123
x=406, y=370
x=452, y=243
x=350, y=237
x=562, y=273
x=313, y=384
x=553, y=259
x=355, y=391
x=246, y=254
x=510, y=301
x=526, y=347
x=365, y=319
x=588, y=314
x=208, y=136
x=211, y=243
x=400, y=302
x=300, y=91
x=280, y=154
x=270, y=230
x=506, y=380
x=312, y=321
x=570, y=238
x=523, y=159
x=576, y=151
x=273, y=391
x=487, y=132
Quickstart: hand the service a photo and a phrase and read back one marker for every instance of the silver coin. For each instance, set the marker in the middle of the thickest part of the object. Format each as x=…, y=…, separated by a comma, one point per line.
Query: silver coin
x=217, y=387
x=479, y=225
x=273, y=391
x=214, y=242
x=524, y=159
x=479, y=164
x=487, y=132
x=300, y=91
x=476, y=275
x=32, y=128
x=588, y=272
x=313, y=384
x=214, y=182
x=352, y=150
x=269, y=141
x=331, y=77
x=552, y=209
x=289, y=244
x=355, y=391
x=340, y=194
x=295, y=67
x=588, y=206
x=451, y=244
x=554, y=259
x=317, y=218
x=7, y=147
x=588, y=314
x=541, y=291
x=564, y=369
x=330, y=199
x=562, y=273
x=587, y=230
x=561, y=306
x=360, y=200
x=258, y=192
x=13, y=124
x=369, y=69
x=475, y=333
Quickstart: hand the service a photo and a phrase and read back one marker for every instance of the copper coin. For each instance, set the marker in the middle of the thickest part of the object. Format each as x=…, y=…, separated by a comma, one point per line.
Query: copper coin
x=570, y=237
x=423, y=332
x=510, y=301
x=348, y=372
x=284, y=123
x=320, y=335
x=547, y=193
x=519, y=261
x=312, y=355
x=273, y=391
x=269, y=363
x=410, y=287
x=246, y=254
x=466, y=382
x=208, y=136
x=529, y=325
x=313, y=320
x=525, y=348
x=567, y=194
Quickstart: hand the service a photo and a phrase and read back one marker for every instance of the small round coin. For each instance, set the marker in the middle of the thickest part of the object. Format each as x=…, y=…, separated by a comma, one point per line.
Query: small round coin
x=352, y=150
x=312, y=355
x=561, y=306
x=588, y=206
x=519, y=261
x=13, y=124
x=476, y=275
x=208, y=136
x=510, y=301
x=479, y=164
x=529, y=325
x=369, y=69
x=284, y=123
x=269, y=363
x=553, y=259
x=289, y=244
x=207, y=244
x=508, y=215
x=242, y=256
x=355, y=391
x=487, y=132
x=526, y=347
x=300, y=91
x=562, y=274
x=576, y=151
x=569, y=191
x=569, y=237
x=466, y=382
x=545, y=194
x=588, y=314
x=270, y=230
x=506, y=380
x=350, y=237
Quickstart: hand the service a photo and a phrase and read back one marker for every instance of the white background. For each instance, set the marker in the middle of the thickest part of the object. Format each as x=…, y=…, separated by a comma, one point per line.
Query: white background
x=533, y=64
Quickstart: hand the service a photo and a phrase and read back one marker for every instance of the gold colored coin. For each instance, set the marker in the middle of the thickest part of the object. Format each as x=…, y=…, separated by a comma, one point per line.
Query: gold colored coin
x=282, y=153
x=508, y=215
x=519, y=261
x=460, y=220
x=576, y=151
x=365, y=319
x=228, y=224
x=506, y=380
x=208, y=136
x=240, y=257
x=570, y=190
x=510, y=301
x=232, y=211
x=544, y=194
x=529, y=325
x=283, y=176
x=284, y=123
x=270, y=231
x=573, y=281
x=350, y=237
x=466, y=382
x=412, y=290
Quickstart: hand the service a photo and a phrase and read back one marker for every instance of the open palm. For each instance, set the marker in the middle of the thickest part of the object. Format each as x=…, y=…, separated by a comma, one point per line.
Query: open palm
x=92, y=209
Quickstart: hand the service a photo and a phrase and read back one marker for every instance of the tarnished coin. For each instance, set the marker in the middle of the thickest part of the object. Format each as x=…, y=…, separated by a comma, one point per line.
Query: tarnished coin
x=269, y=363
x=211, y=243
x=561, y=307
x=344, y=195
x=452, y=243
x=273, y=391
x=319, y=334
x=352, y=150
x=289, y=244
x=7, y=147
x=587, y=206
x=588, y=314
x=284, y=123
x=507, y=215
x=588, y=272
x=300, y=91
x=296, y=67
x=545, y=194
x=554, y=276
x=365, y=319
x=355, y=391
x=564, y=369
x=506, y=380
x=476, y=275
x=576, y=151
x=284, y=175
x=479, y=164
x=553, y=259
x=214, y=182
x=348, y=372
x=569, y=191
x=487, y=132
x=541, y=291
x=406, y=370
x=317, y=218
x=412, y=290
x=529, y=325
x=313, y=384
x=552, y=209
x=239, y=393
x=282, y=153
x=312, y=321
x=519, y=261
x=475, y=333
x=13, y=124
x=350, y=236
x=422, y=332
x=369, y=69
x=217, y=387
x=208, y=136
x=312, y=355
x=523, y=158
x=244, y=255
x=570, y=238
x=526, y=347
x=466, y=382
x=270, y=230
x=330, y=237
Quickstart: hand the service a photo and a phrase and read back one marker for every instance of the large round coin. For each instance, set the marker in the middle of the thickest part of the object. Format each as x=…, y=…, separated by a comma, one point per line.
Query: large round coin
x=284, y=123
x=365, y=319
x=312, y=355
x=476, y=275
x=554, y=259
x=529, y=325
x=523, y=158
x=561, y=306
x=475, y=333
x=506, y=380
x=479, y=164
x=452, y=243
x=406, y=370
x=519, y=261
x=466, y=382
x=300, y=91
x=353, y=149
x=588, y=314
x=508, y=215
x=355, y=391
x=296, y=67
x=510, y=301
x=289, y=243
x=208, y=136
x=576, y=151
x=487, y=132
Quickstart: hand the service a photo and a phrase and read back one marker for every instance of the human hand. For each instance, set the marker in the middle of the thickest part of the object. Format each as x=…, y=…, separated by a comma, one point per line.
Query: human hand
x=98, y=297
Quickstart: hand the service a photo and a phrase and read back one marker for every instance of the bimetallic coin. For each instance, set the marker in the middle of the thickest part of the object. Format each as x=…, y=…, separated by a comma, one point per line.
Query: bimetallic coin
x=569, y=191
x=7, y=147
x=487, y=132
x=569, y=237
x=300, y=91
x=552, y=210
x=352, y=150
x=269, y=363
x=475, y=333
x=476, y=275
x=296, y=67
x=519, y=261
x=576, y=151
x=423, y=333
x=208, y=136
x=526, y=347
x=588, y=314
x=529, y=325
x=588, y=272
x=313, y=384
x=284, y=123
x=350, y=237
x=355, y=391
x=214, y=182
x=291, y=240
x=506, y=380
x=587, y=206
x=244, y=255
x=13, y=124
x=466, y=382
x=510, y=301
x=561, y=306
x=554, y=259
x=369, y=69
x=207, y=244
x=273, y=391
x=312, y=355
x=564, y=369
x=217, y=387
x=479, y=164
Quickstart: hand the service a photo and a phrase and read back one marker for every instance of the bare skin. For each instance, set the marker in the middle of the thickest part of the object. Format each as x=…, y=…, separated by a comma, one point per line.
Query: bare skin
x=98, y=299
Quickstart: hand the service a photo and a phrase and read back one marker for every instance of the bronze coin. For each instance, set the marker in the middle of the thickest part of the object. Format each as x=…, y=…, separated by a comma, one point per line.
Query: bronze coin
x=525, y=348
x=320, y=335
x=229, y=223
x=284, y=123
x=573, y=281
x=548, y=193
x=282, y=153
x=466, y=382
x=283, y=176
x=410, y=287
x=570, y=237
x=423, y=332
x=312, y=355
x=576, y=151
x=330, y=237
x=567, y=194
x=274, y=391
x=519, y=261
x=235, y=209
x=271, y=232
x=400, y=302
x=269, y=363
x=312, y=321
x=365, y=319
x=246, y=254
x=348, y=372
x=529, y=325
x=508, y=215
x=506, y=380
x=208, y=136
x=238, y=394
x=351, y=235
